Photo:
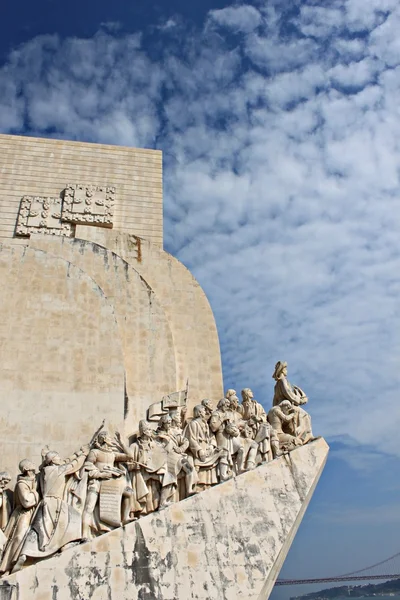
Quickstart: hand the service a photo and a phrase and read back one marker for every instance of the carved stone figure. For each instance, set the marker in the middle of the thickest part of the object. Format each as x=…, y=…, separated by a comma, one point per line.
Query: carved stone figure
x=147, y=470
x=261, y=432
x=203, y=448
x=227, y=436
x=234, y=401
x=175, y=445
x=282, y=419
x=176, y=422
x=5, y=506
x=208, y=405
x=263, y=437
x=56, y=523
x=107, y=488
x=246, y=460
x=26, y=499
x=285, y=391
x=252, y=408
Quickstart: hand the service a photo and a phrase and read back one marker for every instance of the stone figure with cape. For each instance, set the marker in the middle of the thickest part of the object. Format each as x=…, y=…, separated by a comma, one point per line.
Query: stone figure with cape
x=56, y=523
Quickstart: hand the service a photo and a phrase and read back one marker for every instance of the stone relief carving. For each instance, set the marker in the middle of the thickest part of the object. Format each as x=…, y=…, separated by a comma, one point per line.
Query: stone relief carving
x=41, y=215
x=109, y=482
x=89, y=204
x=85, y=204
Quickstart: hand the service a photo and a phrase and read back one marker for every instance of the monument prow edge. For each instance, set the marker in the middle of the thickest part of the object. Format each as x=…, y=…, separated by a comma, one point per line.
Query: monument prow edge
x=228, y=542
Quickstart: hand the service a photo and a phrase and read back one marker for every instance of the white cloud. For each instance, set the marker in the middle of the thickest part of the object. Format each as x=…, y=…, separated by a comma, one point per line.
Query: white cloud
x=244, y=18
x=350, y=49
x=385, y=43
x=355, y=74
x=169, y=24
x=281, y=178
x=321, y=21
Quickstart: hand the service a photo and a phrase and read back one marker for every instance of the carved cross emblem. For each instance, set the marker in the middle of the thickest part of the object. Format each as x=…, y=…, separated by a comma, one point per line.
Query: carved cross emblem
x=41, y=215
x=89, y=204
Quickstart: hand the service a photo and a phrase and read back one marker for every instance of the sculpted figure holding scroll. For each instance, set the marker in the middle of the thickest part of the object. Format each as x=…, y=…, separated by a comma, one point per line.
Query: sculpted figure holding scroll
x=202, y=449
x=107, y=488
x=146, y=470
x=175, y=445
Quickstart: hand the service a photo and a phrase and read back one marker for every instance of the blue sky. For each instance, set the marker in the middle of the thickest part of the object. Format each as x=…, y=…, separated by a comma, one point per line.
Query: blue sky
x=279, y=123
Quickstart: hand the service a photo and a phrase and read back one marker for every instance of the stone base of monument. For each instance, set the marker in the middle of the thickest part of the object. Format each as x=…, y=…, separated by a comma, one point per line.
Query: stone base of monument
x=226, y=543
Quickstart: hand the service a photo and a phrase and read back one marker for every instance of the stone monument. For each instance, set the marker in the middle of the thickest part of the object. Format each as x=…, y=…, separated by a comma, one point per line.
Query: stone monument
x=125, y=472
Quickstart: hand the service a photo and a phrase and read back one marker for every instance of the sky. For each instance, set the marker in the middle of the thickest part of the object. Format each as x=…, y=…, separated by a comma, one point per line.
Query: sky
x=280, y=127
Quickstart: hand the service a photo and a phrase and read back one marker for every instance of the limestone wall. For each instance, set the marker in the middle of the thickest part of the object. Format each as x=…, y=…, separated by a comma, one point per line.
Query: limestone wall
x=43, y=167
x=61, y=359
x=142, y=326
x=196, y=343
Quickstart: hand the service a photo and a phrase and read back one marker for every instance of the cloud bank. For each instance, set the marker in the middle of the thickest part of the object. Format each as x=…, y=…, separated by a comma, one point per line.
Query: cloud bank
x=281, y=136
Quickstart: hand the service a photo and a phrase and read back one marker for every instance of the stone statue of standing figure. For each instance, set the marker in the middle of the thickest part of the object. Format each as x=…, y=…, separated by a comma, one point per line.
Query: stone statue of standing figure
x=26, y=498
x=56, y=523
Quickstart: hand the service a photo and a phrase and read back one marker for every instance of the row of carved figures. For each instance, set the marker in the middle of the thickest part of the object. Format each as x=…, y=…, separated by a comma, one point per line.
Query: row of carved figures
x=108, y=483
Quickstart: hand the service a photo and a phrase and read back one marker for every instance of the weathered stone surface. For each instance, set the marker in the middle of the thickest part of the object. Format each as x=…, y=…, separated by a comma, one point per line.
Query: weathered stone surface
x=196, y=343
x=227, y=543
x=61, y=359
x=194, y=346
x=143, y=328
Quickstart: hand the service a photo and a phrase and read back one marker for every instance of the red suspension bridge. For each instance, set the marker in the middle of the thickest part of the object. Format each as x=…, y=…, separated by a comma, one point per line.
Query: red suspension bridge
x=385, y=569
